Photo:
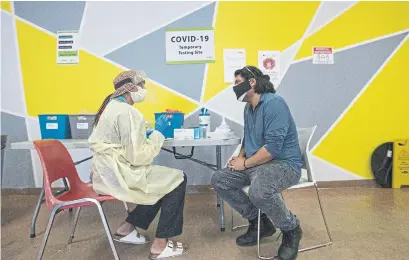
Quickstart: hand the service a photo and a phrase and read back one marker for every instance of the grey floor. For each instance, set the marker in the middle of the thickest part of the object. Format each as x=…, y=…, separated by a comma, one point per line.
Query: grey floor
x=366, y=223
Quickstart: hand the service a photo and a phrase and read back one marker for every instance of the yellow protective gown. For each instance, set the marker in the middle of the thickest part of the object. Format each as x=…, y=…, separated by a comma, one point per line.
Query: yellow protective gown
x=122, y=157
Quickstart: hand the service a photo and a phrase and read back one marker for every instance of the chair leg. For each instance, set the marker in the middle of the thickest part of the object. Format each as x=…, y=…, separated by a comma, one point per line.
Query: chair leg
x=36, y=211
x=323, y=214
x=77, y=215
x=233, y=228
x=325, y=223
x=126, y=207
x=107, y=230
x=258, y=239
x=47, y=232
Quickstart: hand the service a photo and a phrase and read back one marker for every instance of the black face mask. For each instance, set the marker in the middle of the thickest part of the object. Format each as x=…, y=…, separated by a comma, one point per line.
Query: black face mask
x=241, y=89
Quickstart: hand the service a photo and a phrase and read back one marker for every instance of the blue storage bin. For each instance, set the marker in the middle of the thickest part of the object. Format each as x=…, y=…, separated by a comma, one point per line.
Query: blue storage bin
x=55, y=126
x=176, y=120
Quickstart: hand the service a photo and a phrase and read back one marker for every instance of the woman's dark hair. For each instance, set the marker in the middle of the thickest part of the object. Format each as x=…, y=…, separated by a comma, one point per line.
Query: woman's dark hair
x=263, y=84
x=101, y=109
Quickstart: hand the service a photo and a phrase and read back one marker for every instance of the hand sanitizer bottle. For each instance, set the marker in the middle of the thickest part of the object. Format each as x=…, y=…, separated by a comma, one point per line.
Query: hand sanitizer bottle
x=204, y=121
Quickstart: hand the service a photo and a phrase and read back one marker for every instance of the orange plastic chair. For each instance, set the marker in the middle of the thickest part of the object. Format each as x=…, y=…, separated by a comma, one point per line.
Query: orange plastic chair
x=57, y=164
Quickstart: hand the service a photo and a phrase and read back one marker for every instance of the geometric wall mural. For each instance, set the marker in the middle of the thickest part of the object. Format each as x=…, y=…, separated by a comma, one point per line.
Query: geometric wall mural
x=149, y=53
x=364, y=18
x=275, y=26
x=10, y=70
x=347, y=100
x=381, y=114
x=52, y=16
x=337, y=85
x=126, y=21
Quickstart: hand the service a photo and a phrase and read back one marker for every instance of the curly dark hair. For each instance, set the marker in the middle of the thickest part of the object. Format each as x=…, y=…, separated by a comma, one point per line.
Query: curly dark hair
x=263, y=84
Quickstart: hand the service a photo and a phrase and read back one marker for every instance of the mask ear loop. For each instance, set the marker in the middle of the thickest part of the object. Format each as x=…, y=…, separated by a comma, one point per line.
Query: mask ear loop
x=254, y=76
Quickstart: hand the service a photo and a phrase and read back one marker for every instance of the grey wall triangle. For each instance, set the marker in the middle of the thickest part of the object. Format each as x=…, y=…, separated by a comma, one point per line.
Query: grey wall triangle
x=17, y=167
x=52, y=16
x=318, y=94
x=148, y=53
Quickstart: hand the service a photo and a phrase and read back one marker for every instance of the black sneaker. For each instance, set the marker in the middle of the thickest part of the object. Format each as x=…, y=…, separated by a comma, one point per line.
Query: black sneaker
x=250, y=237
x=290, y=244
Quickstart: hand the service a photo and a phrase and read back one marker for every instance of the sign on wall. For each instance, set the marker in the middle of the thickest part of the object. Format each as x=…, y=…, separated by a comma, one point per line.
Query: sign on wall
x=269, y=64
x=67, y=47
x=190, y=45
x=233, y=59
x=322, y=55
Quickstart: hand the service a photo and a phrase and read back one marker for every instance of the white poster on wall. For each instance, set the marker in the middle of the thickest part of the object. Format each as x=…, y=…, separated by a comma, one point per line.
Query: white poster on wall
x=269, y=63
x=322, y=55
x=190, y=45
x=67, y=47
x=233, y=59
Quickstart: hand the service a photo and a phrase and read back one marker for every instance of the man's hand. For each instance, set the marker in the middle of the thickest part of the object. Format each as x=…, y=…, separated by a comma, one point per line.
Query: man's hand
x=232, y=159
x=237, y=164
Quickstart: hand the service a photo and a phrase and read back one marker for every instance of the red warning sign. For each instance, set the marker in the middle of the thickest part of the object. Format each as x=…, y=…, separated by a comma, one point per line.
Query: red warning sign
x=323, y=55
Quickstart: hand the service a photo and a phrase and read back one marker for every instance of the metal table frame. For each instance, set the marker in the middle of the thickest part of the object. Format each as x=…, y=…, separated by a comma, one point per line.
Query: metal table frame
x=76, y=144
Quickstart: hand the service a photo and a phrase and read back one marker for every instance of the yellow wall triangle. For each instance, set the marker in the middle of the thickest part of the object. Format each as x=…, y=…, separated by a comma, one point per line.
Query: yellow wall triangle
x=381, y=114
x=6, y=6
x=70, y=89
x=364, y=21
x=255, y=26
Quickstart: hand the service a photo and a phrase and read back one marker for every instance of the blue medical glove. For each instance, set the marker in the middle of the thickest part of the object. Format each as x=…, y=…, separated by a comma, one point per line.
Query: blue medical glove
x=148, y=133
x=162, y=123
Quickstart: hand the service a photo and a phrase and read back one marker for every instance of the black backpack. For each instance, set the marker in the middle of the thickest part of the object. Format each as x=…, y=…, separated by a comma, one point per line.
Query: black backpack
x=382, y=164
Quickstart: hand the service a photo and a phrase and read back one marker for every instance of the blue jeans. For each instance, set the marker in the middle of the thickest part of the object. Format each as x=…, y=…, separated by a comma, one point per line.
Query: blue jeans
x=266, y=181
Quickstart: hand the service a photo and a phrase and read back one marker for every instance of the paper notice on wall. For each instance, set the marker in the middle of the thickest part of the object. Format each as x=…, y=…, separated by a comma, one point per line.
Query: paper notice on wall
x=233, y=59
x=269, y=63
x=322, y=55
x=189, y=45
x=67, y=47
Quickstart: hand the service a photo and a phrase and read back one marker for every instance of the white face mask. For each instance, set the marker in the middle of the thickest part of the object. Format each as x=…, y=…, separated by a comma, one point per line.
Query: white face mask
x=138, y=96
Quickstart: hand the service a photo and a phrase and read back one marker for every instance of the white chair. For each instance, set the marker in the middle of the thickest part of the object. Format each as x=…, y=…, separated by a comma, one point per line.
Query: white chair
x=307, y=180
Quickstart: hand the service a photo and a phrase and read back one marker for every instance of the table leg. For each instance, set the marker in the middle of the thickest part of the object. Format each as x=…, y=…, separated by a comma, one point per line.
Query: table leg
x=220, y=201
x=37, y=210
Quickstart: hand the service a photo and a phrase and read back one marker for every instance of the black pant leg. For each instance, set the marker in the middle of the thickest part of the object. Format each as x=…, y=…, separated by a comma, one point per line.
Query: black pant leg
x=171, y=216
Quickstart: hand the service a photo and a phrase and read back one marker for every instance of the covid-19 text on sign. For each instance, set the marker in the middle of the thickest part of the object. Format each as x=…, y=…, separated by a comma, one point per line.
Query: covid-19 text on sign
x=189, y=45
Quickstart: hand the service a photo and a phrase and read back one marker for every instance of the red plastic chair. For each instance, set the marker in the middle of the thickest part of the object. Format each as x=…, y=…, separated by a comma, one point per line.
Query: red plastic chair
x=57, y=164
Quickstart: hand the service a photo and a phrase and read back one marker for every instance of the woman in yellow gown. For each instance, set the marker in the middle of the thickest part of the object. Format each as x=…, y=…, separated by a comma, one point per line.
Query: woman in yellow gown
x=122, y=167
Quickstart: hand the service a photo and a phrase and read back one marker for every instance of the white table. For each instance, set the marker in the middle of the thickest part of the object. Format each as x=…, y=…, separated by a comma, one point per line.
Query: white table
x=79, y=144
x=83, y=143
